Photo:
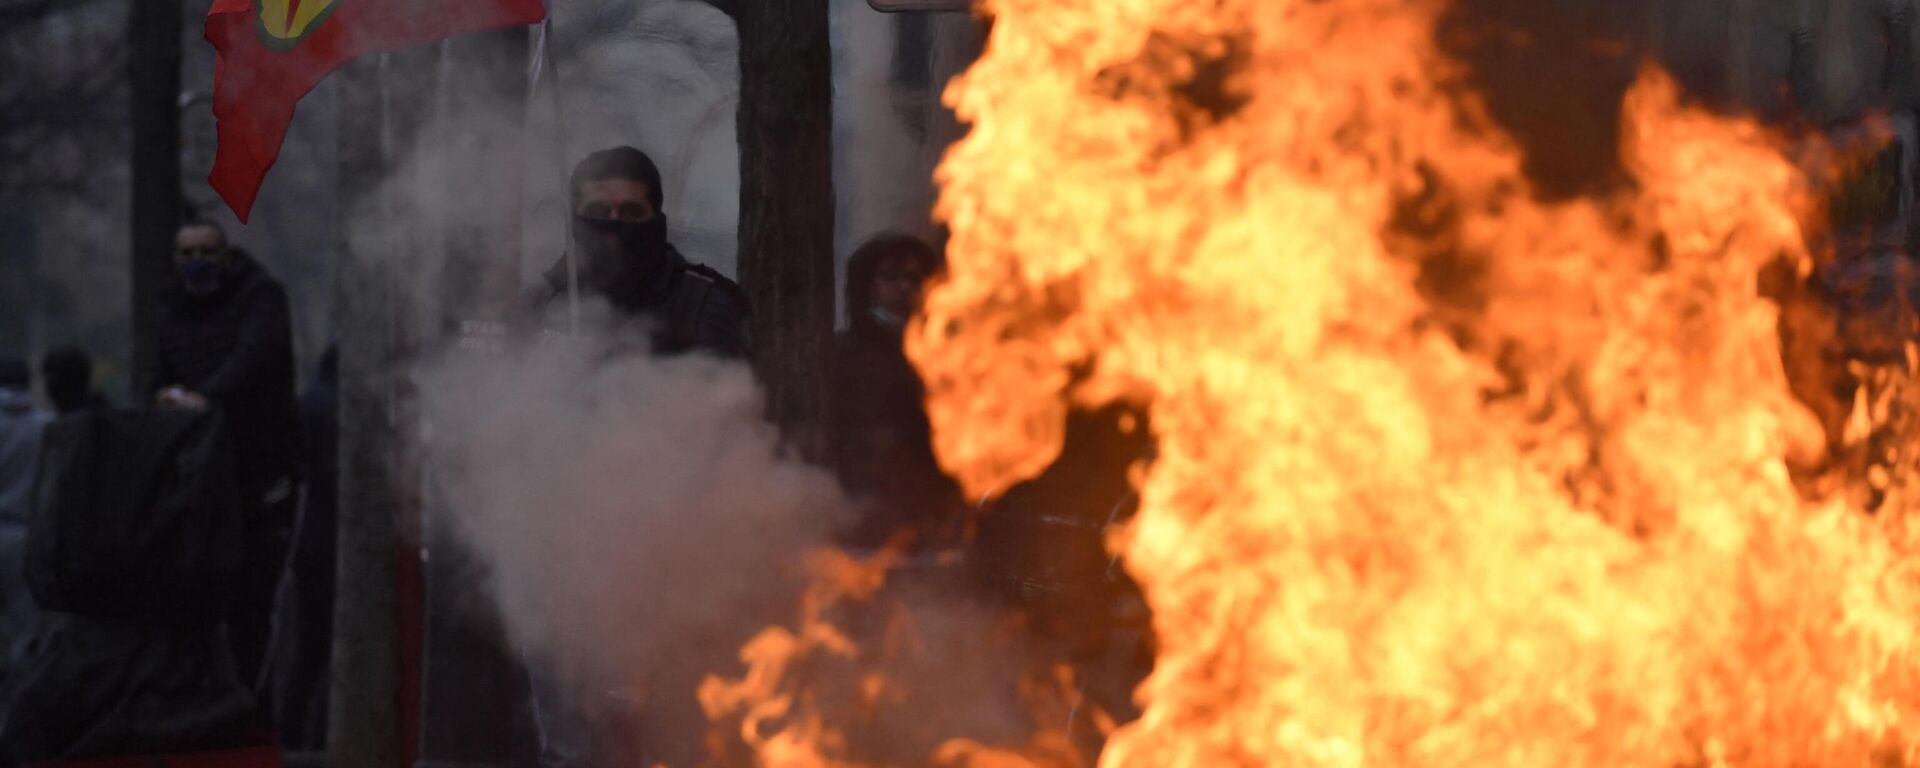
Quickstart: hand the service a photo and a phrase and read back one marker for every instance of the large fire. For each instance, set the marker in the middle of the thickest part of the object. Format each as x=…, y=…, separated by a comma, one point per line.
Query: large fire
x=1445, y=475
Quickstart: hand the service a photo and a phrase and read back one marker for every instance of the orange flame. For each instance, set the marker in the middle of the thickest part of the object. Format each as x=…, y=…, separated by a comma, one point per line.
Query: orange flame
x=779, y=731
x=813, y=697
x=1446, y=475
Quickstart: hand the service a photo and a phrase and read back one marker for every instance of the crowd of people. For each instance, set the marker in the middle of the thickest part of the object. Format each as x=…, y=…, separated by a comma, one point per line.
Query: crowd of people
x=145, y=548
x=219, y=445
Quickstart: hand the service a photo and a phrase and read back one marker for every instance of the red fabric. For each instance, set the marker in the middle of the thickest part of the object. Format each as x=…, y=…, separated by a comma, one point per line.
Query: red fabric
x=243, y=758
x=256, y=85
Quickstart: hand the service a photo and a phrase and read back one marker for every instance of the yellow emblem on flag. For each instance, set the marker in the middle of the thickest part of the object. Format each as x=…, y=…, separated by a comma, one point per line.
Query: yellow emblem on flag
x=284, y=22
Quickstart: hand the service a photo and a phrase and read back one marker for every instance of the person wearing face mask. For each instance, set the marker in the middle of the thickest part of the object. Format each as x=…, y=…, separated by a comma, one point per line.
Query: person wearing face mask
x=879, y=440
x=223, y=339
x=622, y=257
x=623, y=266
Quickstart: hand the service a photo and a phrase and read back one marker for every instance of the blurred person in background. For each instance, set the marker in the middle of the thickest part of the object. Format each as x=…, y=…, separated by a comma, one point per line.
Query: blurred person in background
x=1846, y=323
x=620, y=241
x=880, y=442
x=21, y=424
x=68, y=376
x=223, y=339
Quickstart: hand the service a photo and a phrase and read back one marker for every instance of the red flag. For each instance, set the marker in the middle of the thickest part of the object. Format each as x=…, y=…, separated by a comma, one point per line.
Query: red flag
x=272, y=52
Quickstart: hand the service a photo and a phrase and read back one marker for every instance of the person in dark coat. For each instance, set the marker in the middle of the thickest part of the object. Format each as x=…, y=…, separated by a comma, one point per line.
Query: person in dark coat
x=223, y=339
x=623, y=257
x=68, y=373
x=624, y=265
x=879, y=440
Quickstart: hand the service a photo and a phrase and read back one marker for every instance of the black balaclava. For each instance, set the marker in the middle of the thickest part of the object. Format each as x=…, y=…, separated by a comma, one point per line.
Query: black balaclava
x=620, y=258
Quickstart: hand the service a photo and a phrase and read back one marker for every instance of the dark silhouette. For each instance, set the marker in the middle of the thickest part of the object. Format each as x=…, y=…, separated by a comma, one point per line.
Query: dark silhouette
x=223, y=339
x=68, y=375
x=879, y=439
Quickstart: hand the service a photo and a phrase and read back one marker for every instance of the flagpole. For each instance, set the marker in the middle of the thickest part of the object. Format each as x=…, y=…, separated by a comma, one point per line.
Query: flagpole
x=543, y=61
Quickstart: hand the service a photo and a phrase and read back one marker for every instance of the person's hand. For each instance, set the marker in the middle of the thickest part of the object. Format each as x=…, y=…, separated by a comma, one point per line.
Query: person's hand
x=181, y=398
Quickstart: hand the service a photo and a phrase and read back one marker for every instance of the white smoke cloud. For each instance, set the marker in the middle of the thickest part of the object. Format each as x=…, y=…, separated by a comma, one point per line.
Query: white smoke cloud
x=637, y=518
x=623, y=503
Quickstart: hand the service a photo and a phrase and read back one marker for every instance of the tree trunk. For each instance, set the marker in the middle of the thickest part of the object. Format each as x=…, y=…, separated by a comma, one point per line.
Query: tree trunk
x=786, y=199
x=362, y=716
x=153, y=70
x=472, y=684
x=380, y=111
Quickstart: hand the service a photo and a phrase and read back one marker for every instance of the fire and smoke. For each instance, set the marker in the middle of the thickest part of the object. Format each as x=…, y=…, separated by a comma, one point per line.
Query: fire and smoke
x=636, y=517
x=1446, y=475
x=639, y=520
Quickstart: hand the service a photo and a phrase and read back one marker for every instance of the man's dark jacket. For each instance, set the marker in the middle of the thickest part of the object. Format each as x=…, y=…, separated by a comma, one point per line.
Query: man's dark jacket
x=235, y=347
x=691, y=307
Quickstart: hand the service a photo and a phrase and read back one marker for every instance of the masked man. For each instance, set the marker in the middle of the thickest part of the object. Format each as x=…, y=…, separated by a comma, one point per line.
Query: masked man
x=628, y=277
x=623, y=257
x=223, y=339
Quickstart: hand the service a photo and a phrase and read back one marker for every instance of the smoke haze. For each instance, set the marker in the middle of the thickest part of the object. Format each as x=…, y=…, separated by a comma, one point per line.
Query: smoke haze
x=636, y=517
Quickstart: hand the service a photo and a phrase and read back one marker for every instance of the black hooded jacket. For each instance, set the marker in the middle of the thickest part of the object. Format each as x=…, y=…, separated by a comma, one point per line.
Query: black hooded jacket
x=235, y=347
x=691, y=306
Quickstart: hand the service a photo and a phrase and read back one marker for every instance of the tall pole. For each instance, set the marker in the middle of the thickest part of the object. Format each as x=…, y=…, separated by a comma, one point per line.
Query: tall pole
x=153, y=70
x=363, y=714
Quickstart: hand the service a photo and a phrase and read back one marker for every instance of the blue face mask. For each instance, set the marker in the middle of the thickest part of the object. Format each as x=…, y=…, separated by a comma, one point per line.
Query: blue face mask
x=200, y=276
